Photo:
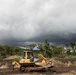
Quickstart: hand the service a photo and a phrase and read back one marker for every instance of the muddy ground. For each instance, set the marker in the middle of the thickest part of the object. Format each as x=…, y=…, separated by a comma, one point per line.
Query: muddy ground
x=62, y=67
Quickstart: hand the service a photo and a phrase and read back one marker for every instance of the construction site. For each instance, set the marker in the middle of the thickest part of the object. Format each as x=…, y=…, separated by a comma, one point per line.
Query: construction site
x=26, y=66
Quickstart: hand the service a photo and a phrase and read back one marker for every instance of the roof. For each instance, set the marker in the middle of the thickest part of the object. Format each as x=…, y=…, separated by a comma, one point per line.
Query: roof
x=35, y=48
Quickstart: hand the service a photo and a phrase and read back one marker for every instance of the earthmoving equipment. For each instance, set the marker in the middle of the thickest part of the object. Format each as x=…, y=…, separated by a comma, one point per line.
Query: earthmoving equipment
x=27, y=63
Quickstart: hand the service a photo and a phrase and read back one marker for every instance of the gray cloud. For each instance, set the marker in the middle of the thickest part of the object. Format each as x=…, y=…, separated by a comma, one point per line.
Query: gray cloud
x=35, y=20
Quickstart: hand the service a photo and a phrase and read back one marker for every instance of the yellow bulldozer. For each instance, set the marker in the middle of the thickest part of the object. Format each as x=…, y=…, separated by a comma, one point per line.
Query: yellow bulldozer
x=27, y=63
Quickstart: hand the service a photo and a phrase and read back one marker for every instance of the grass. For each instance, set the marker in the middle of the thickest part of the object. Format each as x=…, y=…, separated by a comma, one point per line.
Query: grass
x=70, y=56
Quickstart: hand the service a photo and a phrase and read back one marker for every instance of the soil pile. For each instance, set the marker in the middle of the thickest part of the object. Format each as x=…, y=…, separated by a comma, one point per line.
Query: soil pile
x=61, y=67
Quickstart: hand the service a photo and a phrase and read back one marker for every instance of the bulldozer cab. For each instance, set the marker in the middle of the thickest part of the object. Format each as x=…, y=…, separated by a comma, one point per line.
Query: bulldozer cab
x=28, y=54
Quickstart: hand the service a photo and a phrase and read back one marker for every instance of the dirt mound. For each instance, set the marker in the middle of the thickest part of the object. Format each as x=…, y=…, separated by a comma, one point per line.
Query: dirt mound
x=7, y=62
x=64, y=62
x=62, y=66
x=5, y=66
x=12, y=57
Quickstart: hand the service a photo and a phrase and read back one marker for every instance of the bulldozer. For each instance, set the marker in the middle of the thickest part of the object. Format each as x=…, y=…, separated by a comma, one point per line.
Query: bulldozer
x=27, y=63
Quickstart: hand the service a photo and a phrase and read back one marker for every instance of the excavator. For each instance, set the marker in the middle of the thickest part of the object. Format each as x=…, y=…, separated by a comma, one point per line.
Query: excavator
x=27, y=63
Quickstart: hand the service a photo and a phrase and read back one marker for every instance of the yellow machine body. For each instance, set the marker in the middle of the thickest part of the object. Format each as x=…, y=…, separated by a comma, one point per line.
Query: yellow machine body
x=27, y=57
x=28, y=61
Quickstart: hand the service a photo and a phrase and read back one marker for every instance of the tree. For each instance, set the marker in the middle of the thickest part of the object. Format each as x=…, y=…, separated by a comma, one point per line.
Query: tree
x=73, y=45
x=6, y=50
x=71, y=48
x=57, y=51
x=45, y=48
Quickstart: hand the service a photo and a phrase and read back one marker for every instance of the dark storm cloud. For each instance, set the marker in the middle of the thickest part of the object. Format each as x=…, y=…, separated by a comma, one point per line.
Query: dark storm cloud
x=34, y=20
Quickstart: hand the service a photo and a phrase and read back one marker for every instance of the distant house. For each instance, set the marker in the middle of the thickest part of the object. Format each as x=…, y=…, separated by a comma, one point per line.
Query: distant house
x=68, y=48
x=24, y=47
x=35, y=48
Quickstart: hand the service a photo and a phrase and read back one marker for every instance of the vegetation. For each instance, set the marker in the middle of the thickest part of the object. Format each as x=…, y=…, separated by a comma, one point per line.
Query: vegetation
x=6, y=50
x=50, y=50
x=57, y=51
x=45, y=48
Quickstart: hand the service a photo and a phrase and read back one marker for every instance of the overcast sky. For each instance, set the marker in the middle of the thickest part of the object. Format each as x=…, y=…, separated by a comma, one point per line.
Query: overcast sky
x=23, y=21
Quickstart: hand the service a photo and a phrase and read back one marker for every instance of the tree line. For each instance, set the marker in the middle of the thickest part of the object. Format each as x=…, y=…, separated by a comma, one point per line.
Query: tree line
x=57, y=51
x=7, y=50
x=45, y=48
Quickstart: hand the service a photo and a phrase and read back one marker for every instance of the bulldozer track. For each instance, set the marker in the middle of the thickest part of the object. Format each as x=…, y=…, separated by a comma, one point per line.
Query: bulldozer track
x=16, y=71
x=50, y=71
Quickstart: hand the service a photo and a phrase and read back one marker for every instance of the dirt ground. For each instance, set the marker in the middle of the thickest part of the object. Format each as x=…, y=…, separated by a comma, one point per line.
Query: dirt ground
x=62, y=67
